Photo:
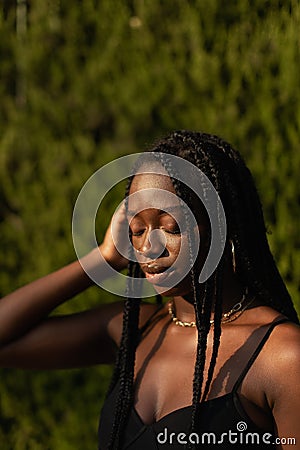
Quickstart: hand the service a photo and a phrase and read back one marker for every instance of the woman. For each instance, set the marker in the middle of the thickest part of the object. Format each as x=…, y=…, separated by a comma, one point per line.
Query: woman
x=208, y=367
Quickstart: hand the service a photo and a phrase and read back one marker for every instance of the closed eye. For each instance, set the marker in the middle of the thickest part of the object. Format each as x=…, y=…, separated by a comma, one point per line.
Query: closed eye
x=140, y=232
x=137, y=233
x=176, y=231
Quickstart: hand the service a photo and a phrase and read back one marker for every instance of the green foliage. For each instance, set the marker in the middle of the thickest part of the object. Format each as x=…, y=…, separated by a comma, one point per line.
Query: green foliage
x=86, y=82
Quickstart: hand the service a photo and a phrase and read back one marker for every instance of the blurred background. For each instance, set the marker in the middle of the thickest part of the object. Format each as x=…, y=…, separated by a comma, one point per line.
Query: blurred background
x=87, y=81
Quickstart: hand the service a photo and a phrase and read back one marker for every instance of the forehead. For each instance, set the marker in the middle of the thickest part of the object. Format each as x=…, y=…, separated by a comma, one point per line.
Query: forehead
x=151, y=190
x=151, y=180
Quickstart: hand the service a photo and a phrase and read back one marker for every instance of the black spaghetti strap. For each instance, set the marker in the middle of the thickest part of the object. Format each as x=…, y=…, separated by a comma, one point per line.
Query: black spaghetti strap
x=256, y=353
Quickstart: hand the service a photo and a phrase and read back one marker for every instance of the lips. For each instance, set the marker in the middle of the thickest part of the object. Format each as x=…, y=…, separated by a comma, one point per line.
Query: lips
x=156, y=273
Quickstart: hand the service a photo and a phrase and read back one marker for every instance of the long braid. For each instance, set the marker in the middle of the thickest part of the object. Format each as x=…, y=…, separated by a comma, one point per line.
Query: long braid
x=217, y=327
x=125, y=359
x=199, y=156
x=255, y=263
x=203, y=313
x=125, y=362
x=202, y=310
x=130, y=271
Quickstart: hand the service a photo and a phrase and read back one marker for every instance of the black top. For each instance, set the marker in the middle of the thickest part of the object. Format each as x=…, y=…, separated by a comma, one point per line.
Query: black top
x=223, y=423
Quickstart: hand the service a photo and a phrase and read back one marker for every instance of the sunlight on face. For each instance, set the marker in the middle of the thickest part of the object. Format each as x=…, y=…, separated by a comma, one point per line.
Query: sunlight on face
x=157, y=220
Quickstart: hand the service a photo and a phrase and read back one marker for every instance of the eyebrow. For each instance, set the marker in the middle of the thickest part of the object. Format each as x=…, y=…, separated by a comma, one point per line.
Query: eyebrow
x=168, y=209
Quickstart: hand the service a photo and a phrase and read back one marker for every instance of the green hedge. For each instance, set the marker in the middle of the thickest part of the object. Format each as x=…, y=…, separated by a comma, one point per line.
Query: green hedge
x=86, y=82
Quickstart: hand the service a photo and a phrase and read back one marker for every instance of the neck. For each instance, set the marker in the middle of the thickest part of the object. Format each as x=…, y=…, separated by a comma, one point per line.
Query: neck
x=232, y=292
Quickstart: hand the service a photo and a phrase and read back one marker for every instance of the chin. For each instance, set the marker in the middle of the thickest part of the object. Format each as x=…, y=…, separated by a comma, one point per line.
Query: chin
x=175, y=291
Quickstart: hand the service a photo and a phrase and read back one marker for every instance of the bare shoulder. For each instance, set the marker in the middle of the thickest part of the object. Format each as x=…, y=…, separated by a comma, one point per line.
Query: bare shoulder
x=282, y=332
x=284, y=343
x=280, y=354
x=116, y=322
x=281, y=378
x=282, y=362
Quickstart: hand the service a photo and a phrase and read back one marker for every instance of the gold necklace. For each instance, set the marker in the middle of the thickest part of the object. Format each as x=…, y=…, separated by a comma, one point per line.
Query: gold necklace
x=230, y=316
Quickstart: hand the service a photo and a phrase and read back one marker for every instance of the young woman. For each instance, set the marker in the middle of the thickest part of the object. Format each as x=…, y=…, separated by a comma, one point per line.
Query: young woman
x=207, y=367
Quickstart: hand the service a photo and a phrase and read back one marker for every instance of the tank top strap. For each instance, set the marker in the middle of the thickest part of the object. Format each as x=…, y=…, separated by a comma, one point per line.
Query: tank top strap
x=256, y=352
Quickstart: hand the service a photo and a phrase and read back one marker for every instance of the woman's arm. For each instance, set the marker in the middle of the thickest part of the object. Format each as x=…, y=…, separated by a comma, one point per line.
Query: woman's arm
x=29, y=339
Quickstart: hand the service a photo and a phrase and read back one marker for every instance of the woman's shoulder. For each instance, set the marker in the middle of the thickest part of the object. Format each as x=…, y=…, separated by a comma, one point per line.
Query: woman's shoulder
x=278, y=339
x=284, y=341
x=274, y=382
x=285, y=333
x=282, y=376
x=261, y=314
x=275, y=373
x=281, y=352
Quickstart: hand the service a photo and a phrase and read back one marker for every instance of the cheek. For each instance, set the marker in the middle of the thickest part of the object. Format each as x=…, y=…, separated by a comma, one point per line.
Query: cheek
x=179, y=250
x=195, y=255
x=173, y=245
x=136, y=241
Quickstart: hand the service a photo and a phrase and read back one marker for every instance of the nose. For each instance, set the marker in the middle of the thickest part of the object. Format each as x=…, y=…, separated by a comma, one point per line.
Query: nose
x=154, y=244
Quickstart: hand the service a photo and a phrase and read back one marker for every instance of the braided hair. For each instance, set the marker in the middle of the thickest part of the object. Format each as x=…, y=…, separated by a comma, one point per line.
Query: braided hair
x=255, y=266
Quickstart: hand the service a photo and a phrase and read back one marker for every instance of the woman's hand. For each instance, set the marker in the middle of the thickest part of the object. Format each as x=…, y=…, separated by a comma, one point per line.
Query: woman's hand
x=114, y=247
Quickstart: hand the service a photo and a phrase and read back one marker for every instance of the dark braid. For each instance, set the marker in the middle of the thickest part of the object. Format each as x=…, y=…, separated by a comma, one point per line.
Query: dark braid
x=256, y=268
x=124, y=371
x=202, y=309
x=124, y=367
x=199, y=156
x=202, y=313
x=217, y=327
x=125, y=360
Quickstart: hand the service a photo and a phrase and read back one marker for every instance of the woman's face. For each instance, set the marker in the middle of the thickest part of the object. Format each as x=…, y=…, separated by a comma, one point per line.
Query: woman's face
x=159, y=234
